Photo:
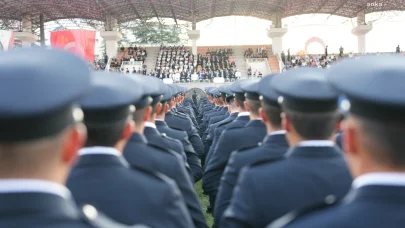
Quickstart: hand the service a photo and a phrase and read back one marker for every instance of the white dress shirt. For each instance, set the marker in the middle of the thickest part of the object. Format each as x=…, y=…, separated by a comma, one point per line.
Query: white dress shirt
x=150, y=124
x=244, y=114
x=99, y=150
x=33, y=186
x=382, y=179
x=280, y=132
x=317, y=143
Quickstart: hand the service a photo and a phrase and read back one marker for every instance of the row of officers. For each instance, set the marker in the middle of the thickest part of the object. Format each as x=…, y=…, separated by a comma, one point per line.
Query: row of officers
x=83, y=149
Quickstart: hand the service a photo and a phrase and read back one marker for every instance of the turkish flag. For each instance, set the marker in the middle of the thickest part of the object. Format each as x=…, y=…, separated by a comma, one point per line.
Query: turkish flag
x=80, y=42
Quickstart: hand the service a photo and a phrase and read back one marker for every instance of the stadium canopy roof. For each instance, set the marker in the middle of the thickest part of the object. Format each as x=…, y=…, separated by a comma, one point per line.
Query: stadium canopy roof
x=128, y=10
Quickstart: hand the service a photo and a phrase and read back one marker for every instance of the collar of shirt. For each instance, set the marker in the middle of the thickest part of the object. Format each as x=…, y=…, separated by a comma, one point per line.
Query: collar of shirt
x=159, y=120
x=150, y=124
x=33, y=186
x=101, y=150
x=280, y=132
x=244, y=114
x=384, y=179
x=234, y=112
x=317, y=143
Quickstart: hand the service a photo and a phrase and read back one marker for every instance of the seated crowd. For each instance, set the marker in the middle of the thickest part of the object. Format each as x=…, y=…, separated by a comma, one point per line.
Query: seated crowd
x=260, y=52
x=130, y=54
x=179, y=64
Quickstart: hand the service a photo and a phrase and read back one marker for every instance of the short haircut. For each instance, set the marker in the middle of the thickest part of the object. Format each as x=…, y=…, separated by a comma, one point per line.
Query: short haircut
x=384, y=141
x=108, y=134
x=273, y=113
x=138, y=115
x=254, y=106
x=30, y=156
x=154, y=107
x=315, y=126
x=240, y=101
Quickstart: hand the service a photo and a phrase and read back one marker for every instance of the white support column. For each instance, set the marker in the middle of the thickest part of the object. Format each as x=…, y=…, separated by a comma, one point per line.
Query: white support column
x=26, y=36
x=194, y=35
x=111, y=36
x=111, y=40
x=276, y=34
x=360, y=31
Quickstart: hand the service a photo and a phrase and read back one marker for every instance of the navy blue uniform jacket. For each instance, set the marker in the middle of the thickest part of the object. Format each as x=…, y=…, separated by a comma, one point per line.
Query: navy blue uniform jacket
x=371, y=206
x=267, y=191
x=138, y=153
x=128, y=196
x=235, y=137
x=192, y=158
x=177, y=122
x=272, y=147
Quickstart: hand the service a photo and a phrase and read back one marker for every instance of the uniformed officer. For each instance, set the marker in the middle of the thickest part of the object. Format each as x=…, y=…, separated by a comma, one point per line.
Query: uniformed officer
x=211, y=177
x=40, y=135
x=188, y=115
x=221, y=104
x=137, y=195
x=313, y=169
x=151, y=133
x=373, y=138
x=179, y=122
x=224, y=90
x=237, y=138
x=185, y=106
x=192, y=157
x=138, y=151
x=241, y=119
x=215, y=129
x=206, y=105
x=217, y=110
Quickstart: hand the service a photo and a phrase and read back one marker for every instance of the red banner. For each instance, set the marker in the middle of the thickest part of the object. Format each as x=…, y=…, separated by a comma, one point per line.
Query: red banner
x=80, y=42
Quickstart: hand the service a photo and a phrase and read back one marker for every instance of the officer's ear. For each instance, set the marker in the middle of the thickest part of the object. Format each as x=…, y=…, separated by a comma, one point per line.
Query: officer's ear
x=74, y=140
x=246, y=106
x=146, y=115
x=350, y=137
x=286, y=122
x=263, y=115
x=128, y=129
x=158, y=108
x=167, y=107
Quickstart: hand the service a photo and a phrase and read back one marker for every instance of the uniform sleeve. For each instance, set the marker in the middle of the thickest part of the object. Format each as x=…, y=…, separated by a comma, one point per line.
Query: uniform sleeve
x=225, y=190
x=175, y=209
x=190, y=196
x=217, y=164
x=241, y=212
x=196, y=142
x=192, y=160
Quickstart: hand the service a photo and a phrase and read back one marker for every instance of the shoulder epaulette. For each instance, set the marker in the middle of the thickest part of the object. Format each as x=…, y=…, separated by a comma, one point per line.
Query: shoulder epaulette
x=234, y=127
x=149, y=172
x=97, y=219
x=288, y=218
x=247, y=148
x=222, y=124
x=168, y=138
x=176, y=128
x=160, y=147
x=266, y=161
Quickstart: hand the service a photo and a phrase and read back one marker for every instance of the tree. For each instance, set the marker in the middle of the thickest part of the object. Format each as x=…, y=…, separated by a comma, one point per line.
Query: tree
x=154, y=32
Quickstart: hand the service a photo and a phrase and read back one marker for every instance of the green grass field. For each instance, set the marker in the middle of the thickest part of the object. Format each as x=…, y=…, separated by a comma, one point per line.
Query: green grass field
x=204, y=203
